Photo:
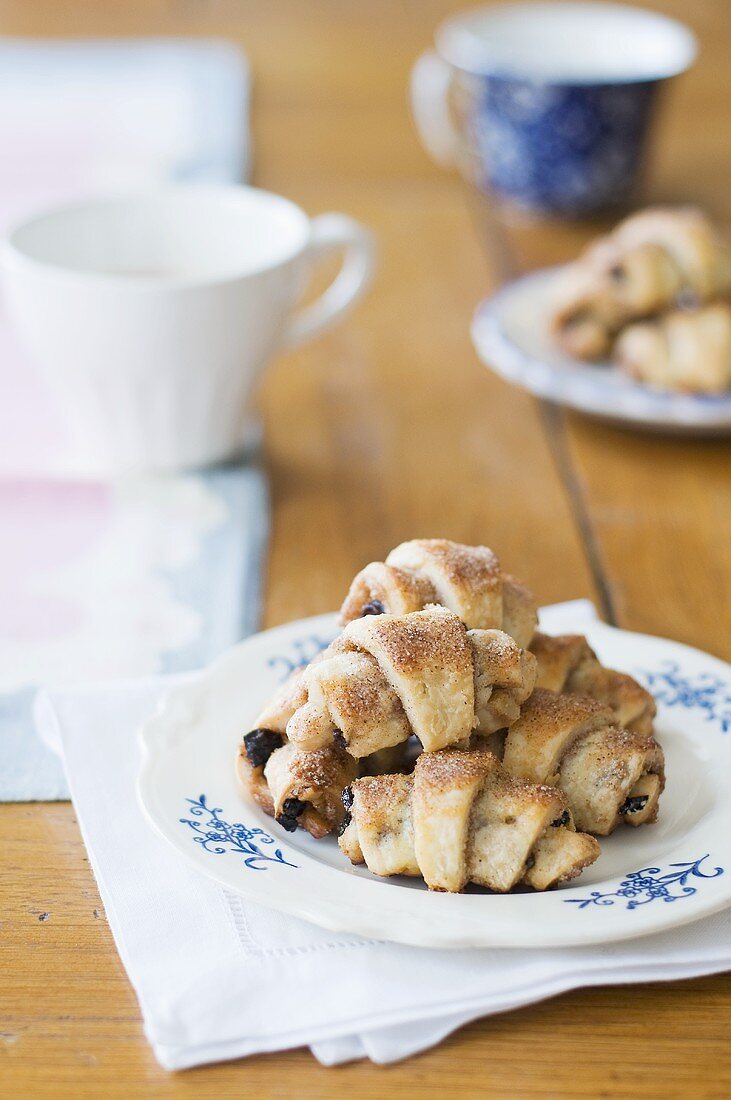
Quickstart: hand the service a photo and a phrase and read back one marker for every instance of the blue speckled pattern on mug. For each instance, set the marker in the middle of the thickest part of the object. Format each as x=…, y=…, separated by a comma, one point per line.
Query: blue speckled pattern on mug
x=568, y=149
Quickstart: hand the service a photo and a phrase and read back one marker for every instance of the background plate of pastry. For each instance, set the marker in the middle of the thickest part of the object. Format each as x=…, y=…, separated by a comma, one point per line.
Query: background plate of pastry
x=645, y=880
x=637, y=330
x=513, y=335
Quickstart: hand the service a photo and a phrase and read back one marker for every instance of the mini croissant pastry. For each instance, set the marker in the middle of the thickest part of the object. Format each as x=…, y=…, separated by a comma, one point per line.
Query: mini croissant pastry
x=685, y=350
x=461, y=818
x=566, y=662
x=466, y=579
x=387, y=677
x=295, y=787
x=608, y=774
x=651, y=262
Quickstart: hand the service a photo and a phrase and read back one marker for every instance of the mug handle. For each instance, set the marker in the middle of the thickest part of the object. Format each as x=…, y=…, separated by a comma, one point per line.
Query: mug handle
x=431, y=78
x=331, y=233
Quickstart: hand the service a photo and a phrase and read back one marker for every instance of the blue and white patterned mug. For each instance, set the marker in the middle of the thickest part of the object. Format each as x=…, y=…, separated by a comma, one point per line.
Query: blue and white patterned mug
x=548, y=105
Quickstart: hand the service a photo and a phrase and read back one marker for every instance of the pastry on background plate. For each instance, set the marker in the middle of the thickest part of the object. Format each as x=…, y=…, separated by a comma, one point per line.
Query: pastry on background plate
x=653, y=261
x=687, y=350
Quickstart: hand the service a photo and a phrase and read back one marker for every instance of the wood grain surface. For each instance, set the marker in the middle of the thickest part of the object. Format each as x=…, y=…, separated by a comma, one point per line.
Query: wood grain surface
x=386, y=429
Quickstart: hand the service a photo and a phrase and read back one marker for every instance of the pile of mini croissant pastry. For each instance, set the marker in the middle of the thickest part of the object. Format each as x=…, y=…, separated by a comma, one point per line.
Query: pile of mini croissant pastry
x=441, y=736
x=653, y=296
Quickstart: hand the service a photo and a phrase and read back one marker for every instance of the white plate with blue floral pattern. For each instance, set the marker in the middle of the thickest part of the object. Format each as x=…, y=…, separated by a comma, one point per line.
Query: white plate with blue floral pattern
x=646, y=880
x=512, y=334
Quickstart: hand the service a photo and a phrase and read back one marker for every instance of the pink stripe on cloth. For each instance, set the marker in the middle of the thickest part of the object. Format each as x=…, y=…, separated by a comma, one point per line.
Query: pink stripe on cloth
x=43, y=527
x=34, y=440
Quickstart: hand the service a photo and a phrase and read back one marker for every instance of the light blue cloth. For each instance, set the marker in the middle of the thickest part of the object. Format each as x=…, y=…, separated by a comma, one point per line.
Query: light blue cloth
x=222, y=586
x=202, y=89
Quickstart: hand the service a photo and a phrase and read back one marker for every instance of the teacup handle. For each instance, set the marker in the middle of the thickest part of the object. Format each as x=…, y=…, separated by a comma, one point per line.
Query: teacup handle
x=330, y=233
x=431, y=78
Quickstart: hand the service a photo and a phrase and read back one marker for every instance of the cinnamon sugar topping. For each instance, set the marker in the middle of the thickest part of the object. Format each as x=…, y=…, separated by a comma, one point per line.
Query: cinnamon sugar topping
x=433, y=638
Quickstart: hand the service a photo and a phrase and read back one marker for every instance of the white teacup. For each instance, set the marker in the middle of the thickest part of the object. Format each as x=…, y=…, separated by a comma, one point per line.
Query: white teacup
x=153, y=315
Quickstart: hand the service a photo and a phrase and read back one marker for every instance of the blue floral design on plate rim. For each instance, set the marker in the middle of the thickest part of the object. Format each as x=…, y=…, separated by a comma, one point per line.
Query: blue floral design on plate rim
x=302, y=651
x=216, y=835
x=219, y=837
x=703, y=691
x=651, y=884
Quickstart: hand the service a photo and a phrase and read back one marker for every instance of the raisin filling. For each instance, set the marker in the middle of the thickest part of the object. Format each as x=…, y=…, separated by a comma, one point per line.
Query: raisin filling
x=339, y=739
x=347, y=800
x=260, y=744
x=373, y=607
x=562, y=820
x=291, y=810
x=633, y=805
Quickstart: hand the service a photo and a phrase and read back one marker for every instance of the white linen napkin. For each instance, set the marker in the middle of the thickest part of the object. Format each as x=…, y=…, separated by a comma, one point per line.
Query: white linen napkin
x=219, y=977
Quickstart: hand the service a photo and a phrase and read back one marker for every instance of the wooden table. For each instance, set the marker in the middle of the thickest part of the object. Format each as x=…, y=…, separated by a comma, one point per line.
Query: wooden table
x=389, y=429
